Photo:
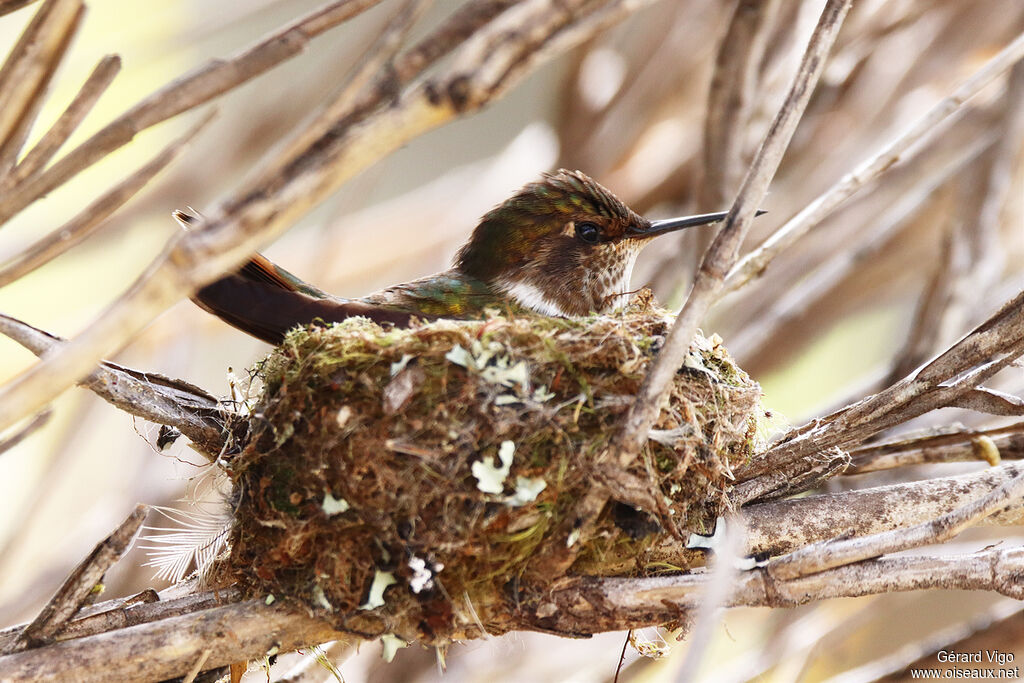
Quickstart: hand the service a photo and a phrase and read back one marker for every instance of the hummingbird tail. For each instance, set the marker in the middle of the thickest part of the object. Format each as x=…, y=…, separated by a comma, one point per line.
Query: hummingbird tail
x=265, y=301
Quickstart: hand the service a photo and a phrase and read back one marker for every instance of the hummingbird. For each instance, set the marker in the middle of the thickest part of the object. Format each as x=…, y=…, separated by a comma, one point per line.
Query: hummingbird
x=561, y=246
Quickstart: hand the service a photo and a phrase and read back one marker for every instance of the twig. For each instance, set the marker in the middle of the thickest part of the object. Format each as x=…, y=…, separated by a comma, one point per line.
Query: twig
x=722, y=253
x=198, y=666
x=201, y=85
x=8, y=6
x=169, y=647
x=964, y=366
x=959, y=446
x=93, y=217
x=320, y=665
x=787, y=525
x=754, y=263
x=30, y=428
x=836, y=552
x=112, y=615
x=797, y=299
x=77, y=587
x=622, y=655
x=28, y=69
x=479, y=74
x=54, y=138
x=151, y=396
x=733, y=85
x=460, y=26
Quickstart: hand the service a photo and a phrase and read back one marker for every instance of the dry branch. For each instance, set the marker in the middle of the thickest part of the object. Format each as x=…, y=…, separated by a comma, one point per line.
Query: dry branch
x=54, y=138
x=147, y=607
x=839, y=551
x=724, y=250
x=783, y=526
x=28, y=70
x=79, y=585
x=94, y=216
x=590, y=605
x=151, y=396
x=754, y=263
x=170, y=647
x=778, y=527
x=958, y=371
x=188, y=92
x=961, y=445
x=8, y=6
x=26, y=431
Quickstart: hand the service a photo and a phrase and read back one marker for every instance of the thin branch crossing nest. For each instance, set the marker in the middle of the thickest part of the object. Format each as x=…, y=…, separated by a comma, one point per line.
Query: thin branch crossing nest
x=400, y=480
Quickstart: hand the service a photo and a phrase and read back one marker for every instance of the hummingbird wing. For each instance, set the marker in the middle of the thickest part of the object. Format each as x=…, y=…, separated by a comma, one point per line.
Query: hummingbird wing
x=259, y=301
x=265, y=300
x=261, y=269
x=450, y=294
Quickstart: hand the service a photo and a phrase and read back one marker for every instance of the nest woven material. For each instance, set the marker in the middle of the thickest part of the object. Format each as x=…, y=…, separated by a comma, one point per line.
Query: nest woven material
x=410, y=474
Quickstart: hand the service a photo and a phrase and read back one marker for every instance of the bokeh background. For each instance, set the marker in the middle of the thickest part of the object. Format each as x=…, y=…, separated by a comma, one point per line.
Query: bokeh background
x=822, y=326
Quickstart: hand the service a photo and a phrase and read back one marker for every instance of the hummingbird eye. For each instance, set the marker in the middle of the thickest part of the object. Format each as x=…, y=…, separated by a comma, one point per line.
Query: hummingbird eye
x=588, y=232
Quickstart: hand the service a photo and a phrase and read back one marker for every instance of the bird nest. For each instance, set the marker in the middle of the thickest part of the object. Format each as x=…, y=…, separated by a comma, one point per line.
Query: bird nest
x=404, y=478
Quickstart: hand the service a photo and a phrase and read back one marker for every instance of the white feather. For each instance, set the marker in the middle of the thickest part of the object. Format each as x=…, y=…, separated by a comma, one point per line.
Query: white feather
x=194, y=539
x=529, y=296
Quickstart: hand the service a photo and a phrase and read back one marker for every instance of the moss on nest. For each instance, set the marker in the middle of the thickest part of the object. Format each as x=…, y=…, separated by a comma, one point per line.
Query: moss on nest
x=439, y=457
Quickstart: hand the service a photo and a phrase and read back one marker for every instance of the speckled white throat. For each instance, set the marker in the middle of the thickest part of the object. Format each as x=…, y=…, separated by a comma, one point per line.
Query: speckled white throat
x=600, y=288
x=529, y=296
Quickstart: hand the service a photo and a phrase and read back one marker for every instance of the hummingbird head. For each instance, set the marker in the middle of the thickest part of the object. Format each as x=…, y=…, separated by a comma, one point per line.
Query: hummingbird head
x=563, y=246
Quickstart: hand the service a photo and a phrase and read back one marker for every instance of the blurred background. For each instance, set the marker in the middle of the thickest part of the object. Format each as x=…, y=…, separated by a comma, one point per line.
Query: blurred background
x=823, y=326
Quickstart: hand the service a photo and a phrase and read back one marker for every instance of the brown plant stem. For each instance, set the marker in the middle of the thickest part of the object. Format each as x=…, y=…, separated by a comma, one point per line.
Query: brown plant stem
x=54, y=138
x=963, y=445
x=837, y=551
x=94, y=216
x=78, y=586
x=28, y=69
x=944, y=381
x=201, y=85
x=754, y=263
x=151, y=396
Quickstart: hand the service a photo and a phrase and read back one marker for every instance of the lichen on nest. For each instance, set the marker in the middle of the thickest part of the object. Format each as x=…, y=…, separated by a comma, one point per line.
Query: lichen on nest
x=404, y=477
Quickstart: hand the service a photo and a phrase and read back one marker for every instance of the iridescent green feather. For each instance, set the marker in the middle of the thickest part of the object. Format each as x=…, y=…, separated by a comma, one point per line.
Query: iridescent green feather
x=448, y=294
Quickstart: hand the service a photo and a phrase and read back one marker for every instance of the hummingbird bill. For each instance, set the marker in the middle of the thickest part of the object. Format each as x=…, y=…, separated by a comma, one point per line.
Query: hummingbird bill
x=561, y=246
